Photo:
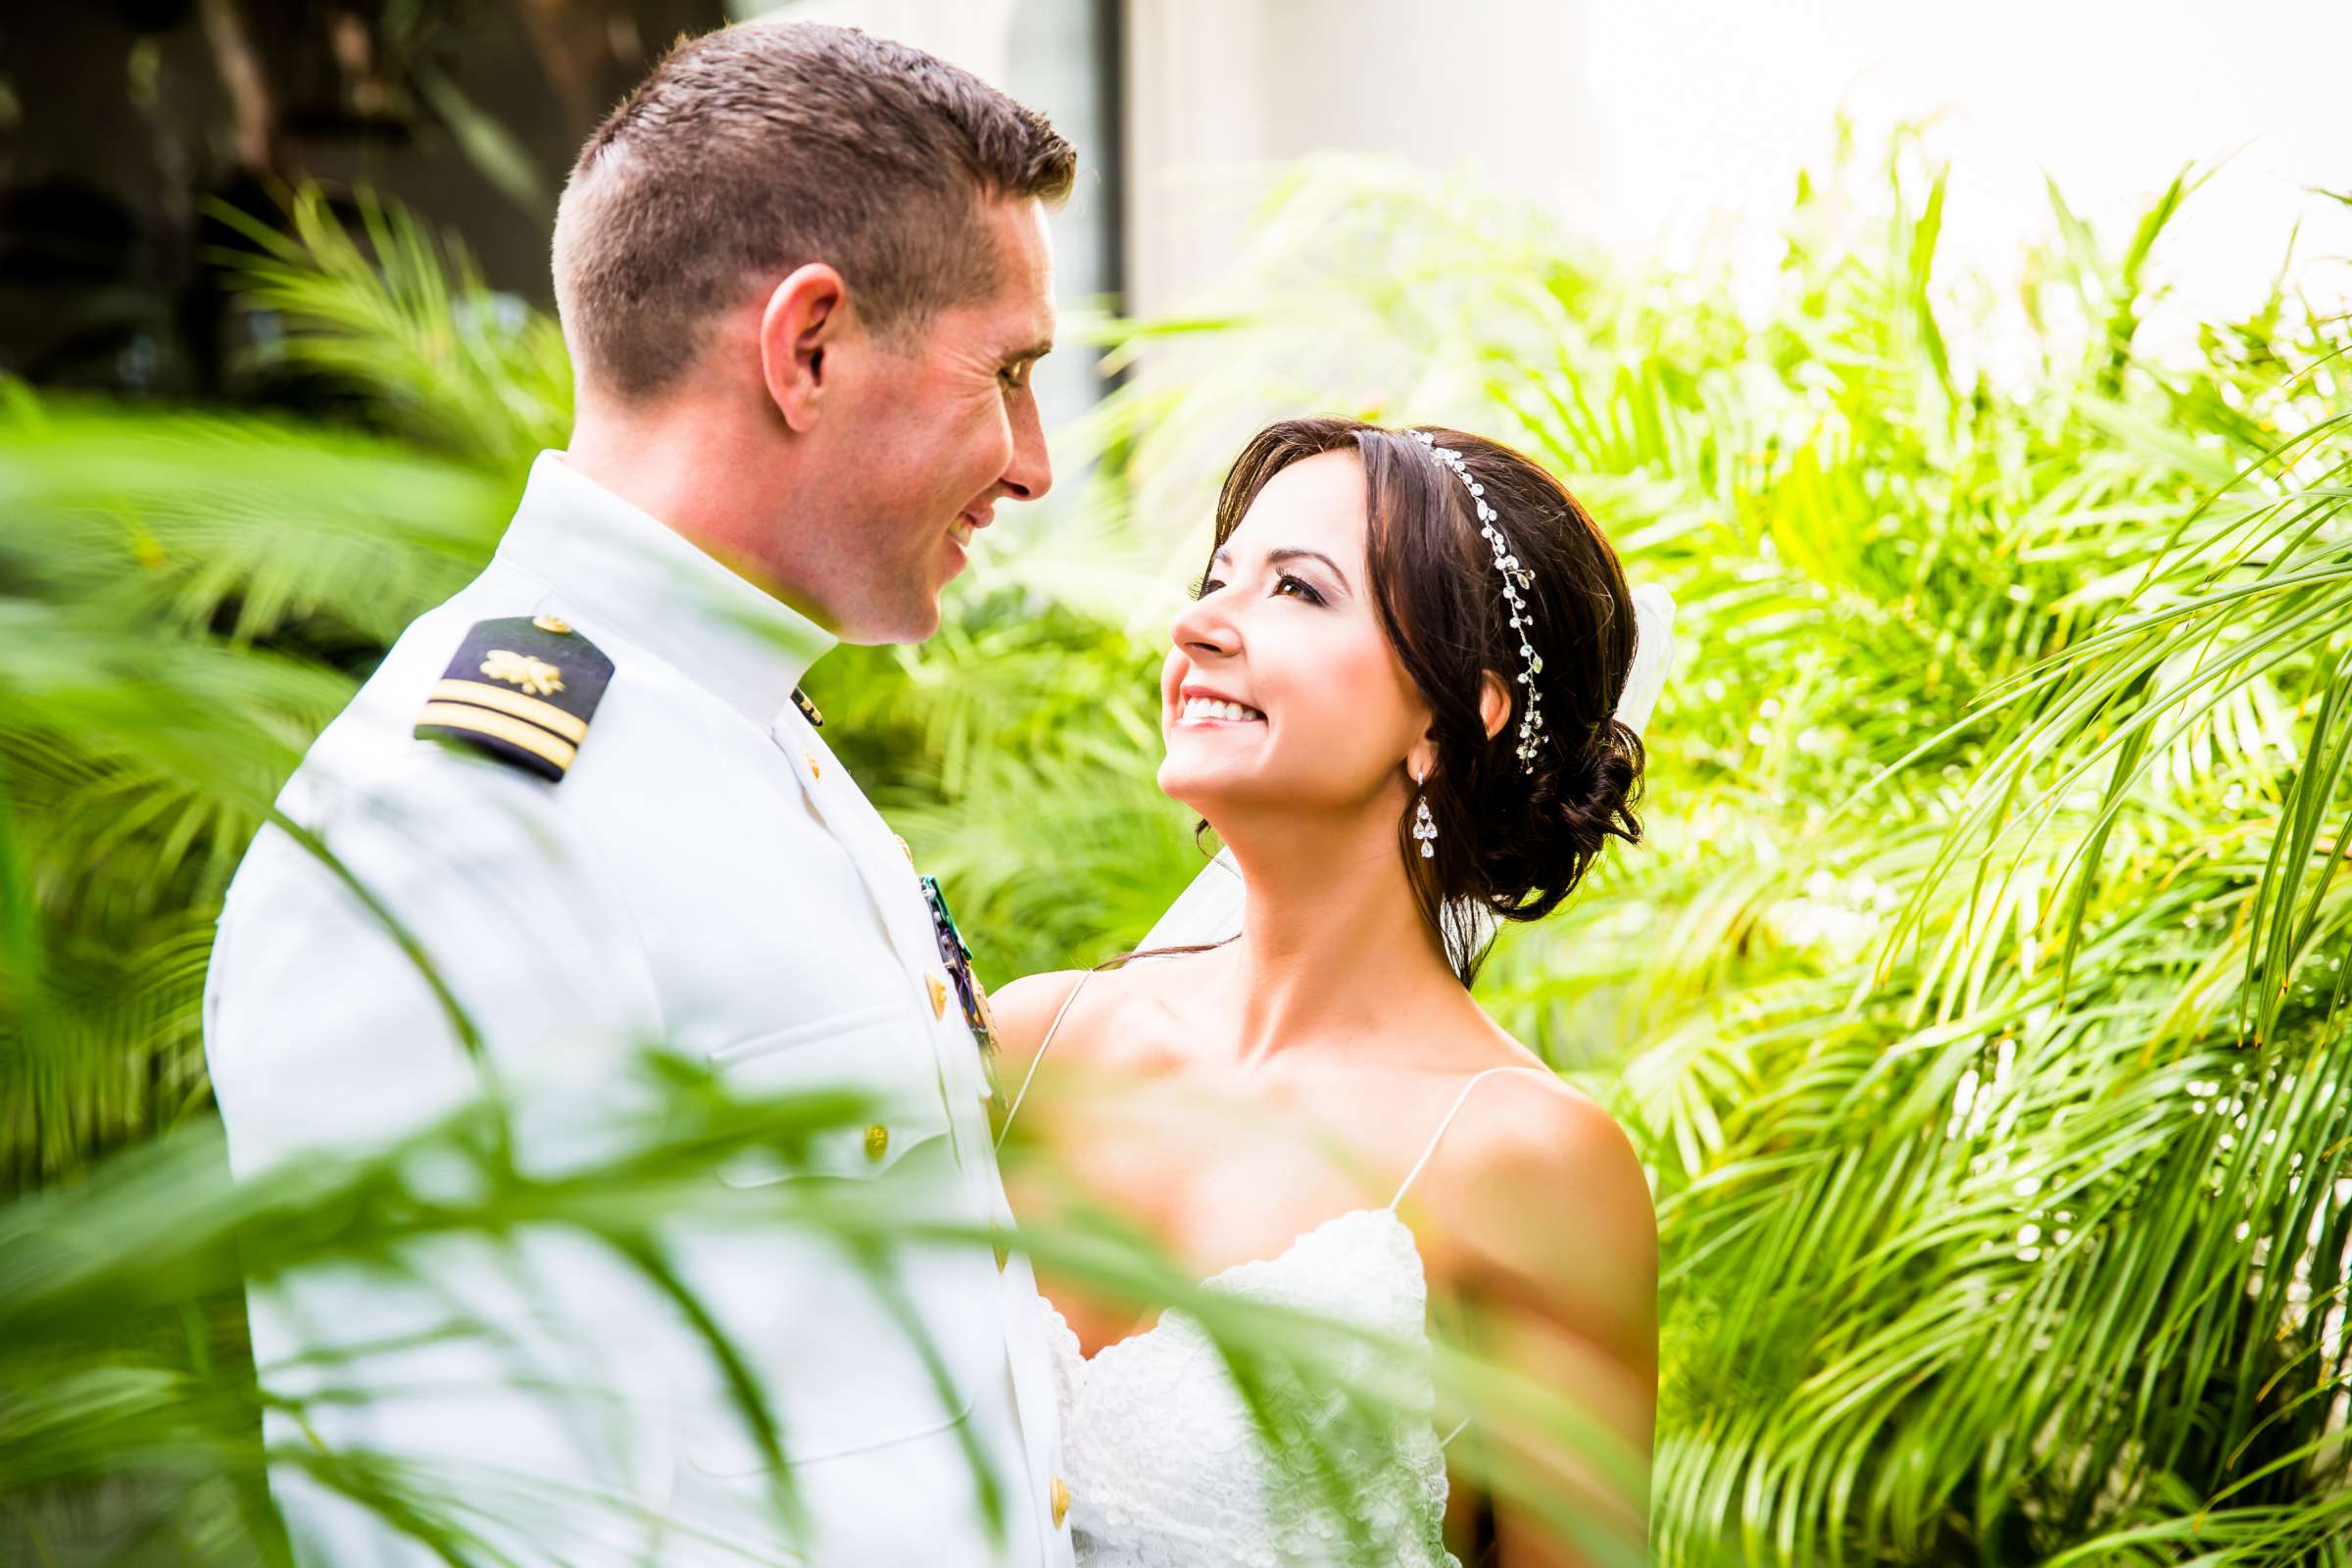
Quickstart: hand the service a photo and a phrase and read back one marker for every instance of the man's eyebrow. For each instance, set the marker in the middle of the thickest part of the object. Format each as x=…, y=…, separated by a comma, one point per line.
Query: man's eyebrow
x=1034, y=351
x=1278, y=557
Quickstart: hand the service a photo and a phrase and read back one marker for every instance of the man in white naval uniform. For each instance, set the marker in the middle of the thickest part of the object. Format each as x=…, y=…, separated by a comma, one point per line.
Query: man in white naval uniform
x=804, y=275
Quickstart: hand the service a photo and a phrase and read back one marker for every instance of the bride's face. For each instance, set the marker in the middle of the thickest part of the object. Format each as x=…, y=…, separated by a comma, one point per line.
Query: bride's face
x=1285, y=628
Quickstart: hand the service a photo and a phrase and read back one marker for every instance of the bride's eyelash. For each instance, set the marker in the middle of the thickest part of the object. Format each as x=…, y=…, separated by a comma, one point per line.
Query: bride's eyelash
x=1210, y=585
x=1301, y=584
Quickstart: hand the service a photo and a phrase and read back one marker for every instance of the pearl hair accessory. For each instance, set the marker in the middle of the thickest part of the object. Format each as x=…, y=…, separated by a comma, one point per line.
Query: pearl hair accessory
x=1514, y=579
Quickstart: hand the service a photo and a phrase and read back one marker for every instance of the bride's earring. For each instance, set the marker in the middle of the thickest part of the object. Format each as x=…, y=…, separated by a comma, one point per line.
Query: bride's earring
x=1424, y=826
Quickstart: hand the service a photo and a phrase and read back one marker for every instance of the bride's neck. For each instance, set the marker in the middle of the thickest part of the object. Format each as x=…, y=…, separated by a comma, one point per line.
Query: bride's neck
x=1332, y=947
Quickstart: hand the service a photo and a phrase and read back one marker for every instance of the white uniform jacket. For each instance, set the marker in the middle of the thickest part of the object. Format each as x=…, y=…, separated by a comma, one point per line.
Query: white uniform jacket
x=704, y=874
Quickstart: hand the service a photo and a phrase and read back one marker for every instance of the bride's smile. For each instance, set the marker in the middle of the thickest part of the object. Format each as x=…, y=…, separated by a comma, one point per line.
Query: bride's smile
x=1208, y=708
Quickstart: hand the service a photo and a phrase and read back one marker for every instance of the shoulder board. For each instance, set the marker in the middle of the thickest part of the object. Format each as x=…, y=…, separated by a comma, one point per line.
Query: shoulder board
x=521, y=690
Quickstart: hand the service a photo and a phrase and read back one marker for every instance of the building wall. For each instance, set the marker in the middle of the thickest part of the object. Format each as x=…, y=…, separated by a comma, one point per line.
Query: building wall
x=1676, y=129
x=1220, y=93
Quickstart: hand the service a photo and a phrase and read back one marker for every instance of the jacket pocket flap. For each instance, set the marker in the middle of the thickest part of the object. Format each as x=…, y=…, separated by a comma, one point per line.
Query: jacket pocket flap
x=879, y=1056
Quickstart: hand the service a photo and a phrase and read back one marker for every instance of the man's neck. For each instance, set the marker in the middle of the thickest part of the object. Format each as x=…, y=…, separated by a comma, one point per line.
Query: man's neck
x=683, y=465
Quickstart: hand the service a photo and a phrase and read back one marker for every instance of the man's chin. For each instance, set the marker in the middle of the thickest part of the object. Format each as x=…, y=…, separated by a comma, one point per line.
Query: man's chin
x=922, y=629
x=915, y=623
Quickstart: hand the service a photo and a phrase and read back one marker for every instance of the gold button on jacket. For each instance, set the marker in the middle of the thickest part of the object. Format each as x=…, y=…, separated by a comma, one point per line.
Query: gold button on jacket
x=939, y=996
x=1061, y=1502
x=877, y=1141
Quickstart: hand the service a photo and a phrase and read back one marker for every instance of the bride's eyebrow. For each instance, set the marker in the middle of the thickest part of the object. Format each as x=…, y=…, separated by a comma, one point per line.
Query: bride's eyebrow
x=1276, y=556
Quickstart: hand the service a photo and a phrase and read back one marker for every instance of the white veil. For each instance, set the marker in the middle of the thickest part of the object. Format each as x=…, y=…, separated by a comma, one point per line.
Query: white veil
x=1210, y=908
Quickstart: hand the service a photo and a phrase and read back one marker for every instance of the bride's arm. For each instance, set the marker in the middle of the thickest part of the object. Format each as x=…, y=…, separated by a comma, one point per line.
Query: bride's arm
x=1551, y=1244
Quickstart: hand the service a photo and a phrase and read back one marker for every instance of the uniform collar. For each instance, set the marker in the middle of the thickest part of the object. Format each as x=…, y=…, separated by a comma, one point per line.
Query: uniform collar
x=617, y=566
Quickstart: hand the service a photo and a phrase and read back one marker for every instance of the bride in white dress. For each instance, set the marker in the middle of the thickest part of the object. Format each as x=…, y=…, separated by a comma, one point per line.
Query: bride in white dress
x=1397, y=699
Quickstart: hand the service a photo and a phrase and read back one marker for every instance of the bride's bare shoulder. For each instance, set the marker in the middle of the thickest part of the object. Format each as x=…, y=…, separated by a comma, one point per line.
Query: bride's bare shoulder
x=1024, y=1009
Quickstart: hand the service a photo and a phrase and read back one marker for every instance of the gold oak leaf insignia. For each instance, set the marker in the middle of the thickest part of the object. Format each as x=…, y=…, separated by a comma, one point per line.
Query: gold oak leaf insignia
x=534, y=675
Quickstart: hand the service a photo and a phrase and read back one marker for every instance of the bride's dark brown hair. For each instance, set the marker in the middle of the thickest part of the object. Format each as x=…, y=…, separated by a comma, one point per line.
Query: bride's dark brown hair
x=1509, y=841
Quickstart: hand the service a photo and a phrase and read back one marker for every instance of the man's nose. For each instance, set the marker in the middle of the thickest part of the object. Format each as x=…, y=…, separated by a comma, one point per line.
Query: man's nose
x=1030, y=473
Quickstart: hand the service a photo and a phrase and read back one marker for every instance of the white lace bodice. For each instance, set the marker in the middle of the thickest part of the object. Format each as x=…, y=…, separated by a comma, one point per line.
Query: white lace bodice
x=1167, y=1468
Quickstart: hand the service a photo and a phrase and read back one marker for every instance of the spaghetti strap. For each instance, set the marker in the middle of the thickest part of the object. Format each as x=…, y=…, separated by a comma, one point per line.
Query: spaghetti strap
x=1459, y=1100
x=1030, y=1076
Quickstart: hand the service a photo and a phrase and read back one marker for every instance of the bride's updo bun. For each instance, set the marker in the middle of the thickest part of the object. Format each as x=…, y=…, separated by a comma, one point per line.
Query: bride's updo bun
x=1512, y=840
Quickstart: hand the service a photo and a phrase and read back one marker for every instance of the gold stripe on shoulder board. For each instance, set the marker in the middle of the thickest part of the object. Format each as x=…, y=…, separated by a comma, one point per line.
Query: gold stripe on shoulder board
x=546, y=716
x=531, y=738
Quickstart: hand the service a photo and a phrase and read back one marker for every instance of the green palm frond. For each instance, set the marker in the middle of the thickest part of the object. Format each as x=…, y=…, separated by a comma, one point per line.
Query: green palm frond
x=402, y=321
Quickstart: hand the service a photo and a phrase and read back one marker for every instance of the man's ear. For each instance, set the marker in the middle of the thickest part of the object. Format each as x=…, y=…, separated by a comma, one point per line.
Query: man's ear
x=1494, y=703
x=806, y=317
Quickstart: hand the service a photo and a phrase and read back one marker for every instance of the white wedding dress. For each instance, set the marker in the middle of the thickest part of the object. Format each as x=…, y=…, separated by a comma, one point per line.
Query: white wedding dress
x=1167, y=1466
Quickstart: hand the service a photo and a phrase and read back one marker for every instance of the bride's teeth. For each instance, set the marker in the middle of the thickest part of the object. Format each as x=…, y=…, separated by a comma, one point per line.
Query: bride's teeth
x=1211, y=708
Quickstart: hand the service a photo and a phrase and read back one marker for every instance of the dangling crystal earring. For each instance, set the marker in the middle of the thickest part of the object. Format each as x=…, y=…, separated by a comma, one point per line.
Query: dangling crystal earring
x=1424, y=826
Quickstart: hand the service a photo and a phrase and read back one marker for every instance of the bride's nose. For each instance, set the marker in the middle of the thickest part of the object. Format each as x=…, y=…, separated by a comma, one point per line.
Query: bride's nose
x=1205, y=627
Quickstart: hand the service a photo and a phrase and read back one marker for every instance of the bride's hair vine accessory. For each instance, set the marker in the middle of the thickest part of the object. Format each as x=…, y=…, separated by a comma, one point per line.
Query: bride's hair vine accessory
x=1514, y=579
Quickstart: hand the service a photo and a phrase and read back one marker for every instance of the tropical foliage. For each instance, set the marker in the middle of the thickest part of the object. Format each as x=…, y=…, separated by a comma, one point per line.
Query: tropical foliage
x=1977, y=1000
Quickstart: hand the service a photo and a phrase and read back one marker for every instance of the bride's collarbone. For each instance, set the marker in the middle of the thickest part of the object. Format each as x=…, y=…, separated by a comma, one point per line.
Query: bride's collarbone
x=1138, y=1055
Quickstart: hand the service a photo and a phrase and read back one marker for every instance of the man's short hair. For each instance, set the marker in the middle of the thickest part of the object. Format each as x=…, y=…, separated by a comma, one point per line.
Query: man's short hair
x=763, y=147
